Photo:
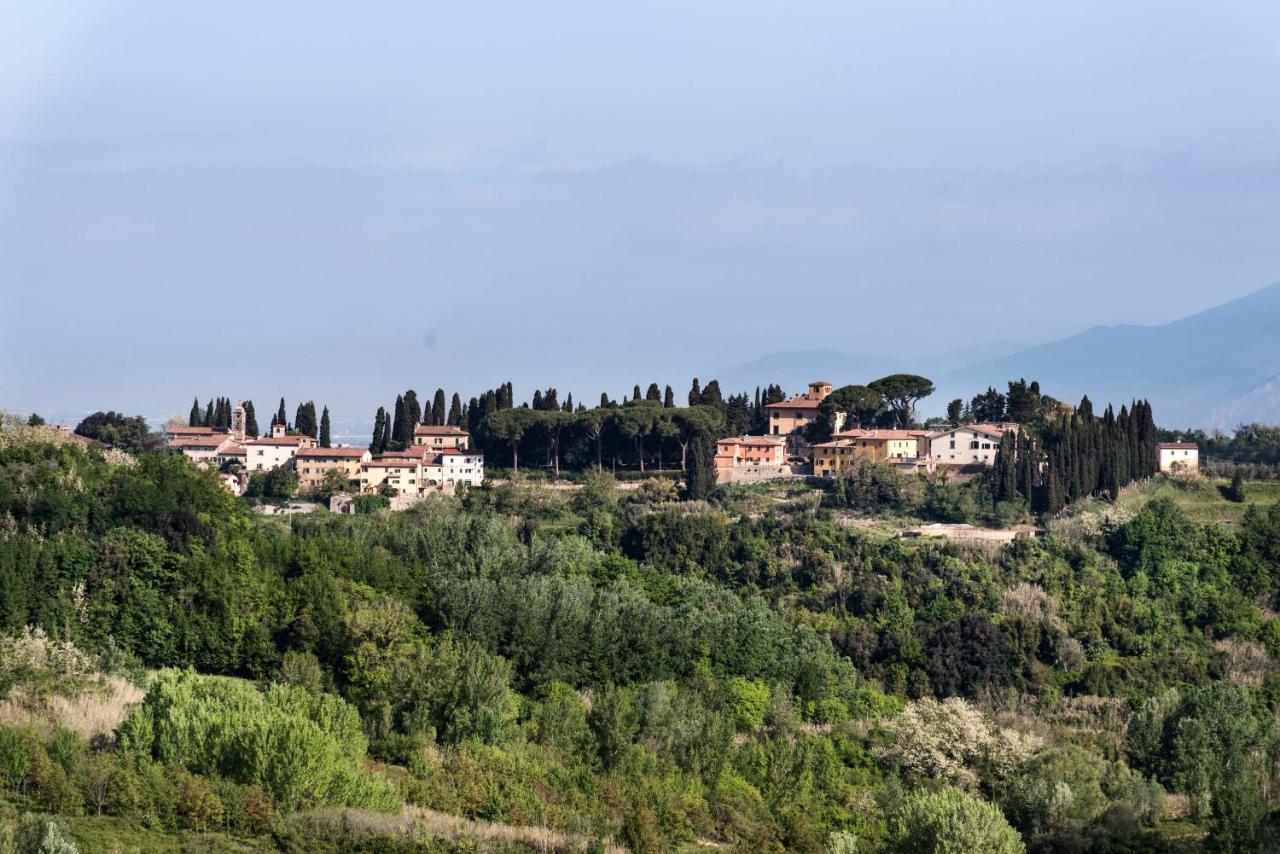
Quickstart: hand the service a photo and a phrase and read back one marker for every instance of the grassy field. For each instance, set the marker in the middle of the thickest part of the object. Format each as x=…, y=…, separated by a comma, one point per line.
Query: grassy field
x=1202, y=498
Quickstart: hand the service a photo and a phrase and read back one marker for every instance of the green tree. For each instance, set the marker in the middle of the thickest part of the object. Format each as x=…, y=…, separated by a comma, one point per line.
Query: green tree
x=127, y=432
x=955, y=411
x=700, y=477
x=281, y=416
x=902, y=392
x=454, y=419
x=509, y=427
x=693, y=421
x=1236, y=491
x=196, y=419
x=250, y=419
x=437, y=408
x=378, y=443
x=950, y=822
x=324, y=429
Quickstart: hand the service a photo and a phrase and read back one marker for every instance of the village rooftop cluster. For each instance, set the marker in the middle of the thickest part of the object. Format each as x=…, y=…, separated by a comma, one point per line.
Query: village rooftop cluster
x=439, y=460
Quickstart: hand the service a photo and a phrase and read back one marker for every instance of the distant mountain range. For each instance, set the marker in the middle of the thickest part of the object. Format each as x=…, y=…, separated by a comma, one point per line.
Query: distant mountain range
x=1217, y=368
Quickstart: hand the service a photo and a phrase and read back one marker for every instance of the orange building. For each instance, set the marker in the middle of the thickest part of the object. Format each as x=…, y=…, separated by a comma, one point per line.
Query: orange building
x=750, y=451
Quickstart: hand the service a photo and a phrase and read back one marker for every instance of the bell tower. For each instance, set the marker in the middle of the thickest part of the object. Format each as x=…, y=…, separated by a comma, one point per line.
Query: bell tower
x=237, y=423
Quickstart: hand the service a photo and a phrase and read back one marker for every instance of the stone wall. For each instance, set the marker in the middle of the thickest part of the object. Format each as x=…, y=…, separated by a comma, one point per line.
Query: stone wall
x=758, y=474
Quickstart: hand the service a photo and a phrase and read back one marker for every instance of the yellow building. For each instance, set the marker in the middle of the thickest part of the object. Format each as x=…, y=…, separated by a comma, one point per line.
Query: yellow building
x=313, y=464
x=855, y=446
x=800, y=411
x=391, y=475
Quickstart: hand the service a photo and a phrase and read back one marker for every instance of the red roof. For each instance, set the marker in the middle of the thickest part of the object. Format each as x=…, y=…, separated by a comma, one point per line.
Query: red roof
x=795, y=403
x=769, y=441
x=881, y=435
x=277, y=440
x=190, y=431
x=1178, y=446
x=439, y=430
x=323, y=453
x=210, y=441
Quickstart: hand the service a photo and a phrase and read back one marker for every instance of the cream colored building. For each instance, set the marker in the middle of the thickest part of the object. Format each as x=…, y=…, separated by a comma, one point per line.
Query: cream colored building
x=394, y=475
x=312, y=464
x=438, y=438
x=968, y=444
x=203, y=448
x=1178, y=457
x=461, y=466
x=273, y=451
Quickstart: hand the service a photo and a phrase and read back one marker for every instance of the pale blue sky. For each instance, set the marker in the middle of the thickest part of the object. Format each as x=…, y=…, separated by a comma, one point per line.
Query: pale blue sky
x=337, y=202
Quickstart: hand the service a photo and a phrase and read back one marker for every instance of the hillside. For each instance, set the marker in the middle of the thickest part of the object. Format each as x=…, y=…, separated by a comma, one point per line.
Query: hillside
x=1213, y=369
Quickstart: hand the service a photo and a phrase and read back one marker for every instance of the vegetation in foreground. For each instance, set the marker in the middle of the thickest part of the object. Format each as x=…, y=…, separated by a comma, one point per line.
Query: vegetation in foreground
x=613, y=669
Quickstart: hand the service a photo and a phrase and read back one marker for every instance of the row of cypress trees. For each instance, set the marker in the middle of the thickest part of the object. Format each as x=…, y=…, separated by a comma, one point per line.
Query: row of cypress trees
x=1075, y=456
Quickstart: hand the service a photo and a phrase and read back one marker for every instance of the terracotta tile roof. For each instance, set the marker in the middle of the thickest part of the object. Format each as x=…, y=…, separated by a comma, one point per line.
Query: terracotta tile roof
x=322, y=453
x=277, y=440
x=795, y=403
x=233, y=451
x=212, y=440
x=1178, y=446
x=397, y=463
x=190, y=431
x=753, y=440
x=439, y=430
x=878, y=435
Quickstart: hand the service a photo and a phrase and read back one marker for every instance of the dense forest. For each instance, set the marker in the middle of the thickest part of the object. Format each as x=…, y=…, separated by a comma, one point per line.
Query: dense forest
x=621, y=667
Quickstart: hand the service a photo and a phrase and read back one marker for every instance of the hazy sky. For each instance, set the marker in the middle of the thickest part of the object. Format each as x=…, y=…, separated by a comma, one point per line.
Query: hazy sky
x=338, y=201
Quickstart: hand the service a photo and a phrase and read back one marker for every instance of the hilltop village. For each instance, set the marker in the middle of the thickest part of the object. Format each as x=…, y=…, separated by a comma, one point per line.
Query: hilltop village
x=822, y=433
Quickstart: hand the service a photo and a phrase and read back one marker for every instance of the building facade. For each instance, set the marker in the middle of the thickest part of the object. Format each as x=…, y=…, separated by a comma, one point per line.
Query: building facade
x=751, y=451
x=460, y=466
x=275, y=450
x=968, y=444
x=800, y=411
x=438, y=438
x=391, y=476
x=314, y=464
x=852, y=447
x=1178, y=457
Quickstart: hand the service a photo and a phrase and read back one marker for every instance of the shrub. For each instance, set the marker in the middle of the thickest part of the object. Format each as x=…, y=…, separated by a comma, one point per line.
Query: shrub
x=950, y=821
x=304, y=749
x=749, y=702
x=42, y=834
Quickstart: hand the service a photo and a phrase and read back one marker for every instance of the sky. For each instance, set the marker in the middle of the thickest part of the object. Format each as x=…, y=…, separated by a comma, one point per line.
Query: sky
x=337, y=202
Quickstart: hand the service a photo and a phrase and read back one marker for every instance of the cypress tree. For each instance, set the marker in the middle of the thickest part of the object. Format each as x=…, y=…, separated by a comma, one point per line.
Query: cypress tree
x=700, y=477
x=454, y=418
x=379, y=441
x=207, y=420
x=196, y=418
x=437, y=408
x=281, y=416
x=324, y=428
x=653, y=393
x=604, y=399
x=537, y=399
x=412, y=412
x=397, y=421
x=250, y=419
x=635, y=394
x=695, y=393
x=669, y=398
x=568, y=402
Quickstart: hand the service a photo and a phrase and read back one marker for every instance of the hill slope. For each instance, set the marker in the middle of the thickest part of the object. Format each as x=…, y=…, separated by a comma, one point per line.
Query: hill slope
x=1212, y=369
